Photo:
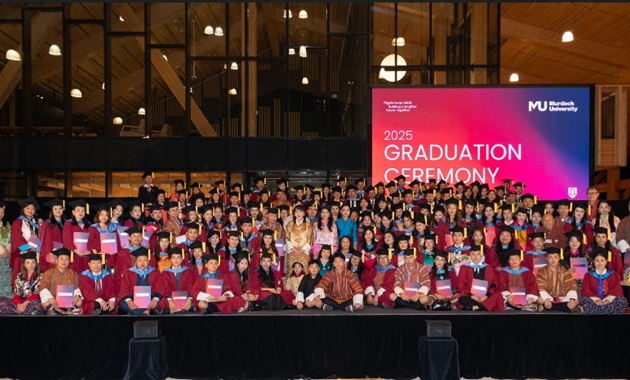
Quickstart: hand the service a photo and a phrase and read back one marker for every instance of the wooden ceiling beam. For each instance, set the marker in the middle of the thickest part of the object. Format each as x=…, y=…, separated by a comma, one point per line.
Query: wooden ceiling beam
x=594, y=51
x=11, y=74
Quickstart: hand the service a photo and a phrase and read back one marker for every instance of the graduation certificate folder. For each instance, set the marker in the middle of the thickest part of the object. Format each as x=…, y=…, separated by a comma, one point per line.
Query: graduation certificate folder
x=539, y=262
x=519, y=295
x=443, y=287
x=479, y=288
x=65, y=294
x=142, y=296
x=80, y=241
x=214, y=286
x=123, y=235
x=108, y=243
x=180, y=298
x=411, y=288
x=580, y=266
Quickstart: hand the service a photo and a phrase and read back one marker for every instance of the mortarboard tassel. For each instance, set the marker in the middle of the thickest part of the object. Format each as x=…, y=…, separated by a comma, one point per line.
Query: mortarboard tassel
x=410, y=239
x=142, y=206
x=219, y=259
x=170, y=237
x=414, y=253
x=37, y=257
x=63, y=204
x=149, y=254
x=71, y=256
x=584, y=239
x=522, y=255
x=389, y=253
x=199, y=229
x=481, y=249
x=203, y=246
x=412, y=215
x=363, y=257
x=561, y=253
x=465, y=233
x=87, y=208
x=609, y=256
x=111, y=212
x=103, y=258
x=535, y=199
x=570, y=206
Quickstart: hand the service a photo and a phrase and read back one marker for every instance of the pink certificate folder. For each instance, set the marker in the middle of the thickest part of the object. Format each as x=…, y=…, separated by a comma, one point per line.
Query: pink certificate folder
x=34, y=242
x=123, y=235
x=142, y=296
x=80, y=241
x=479, y=288
x=580, y=266
x=180, y=298
x=214, y=286
x=539, y=262
x=443, y=288
x=519, y=295
x=411, y=288
x=65, y=294
x=108, y=243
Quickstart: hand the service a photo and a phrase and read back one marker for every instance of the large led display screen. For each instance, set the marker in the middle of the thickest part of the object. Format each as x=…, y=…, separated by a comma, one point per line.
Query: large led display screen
x=540, y=136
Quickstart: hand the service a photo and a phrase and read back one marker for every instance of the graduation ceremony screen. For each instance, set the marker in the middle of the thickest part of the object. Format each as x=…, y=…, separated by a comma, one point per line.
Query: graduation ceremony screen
x=536, y=135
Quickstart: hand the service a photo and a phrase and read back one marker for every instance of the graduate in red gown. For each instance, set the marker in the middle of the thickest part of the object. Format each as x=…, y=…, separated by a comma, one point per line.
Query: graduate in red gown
x=601, y=288
x=77, y=223
x=124, y=261
x=477, y=270
x=537, y=243
x=602, y=239
x=176, y=278
x=97, y=288
x=267, y=284
x=226, y=300
x=516, y=276
x=102, y=224
x=136, y=213
x=381, y=281
x=22, y=229
x=440, y=271
x=140, y=274
x=51, y=234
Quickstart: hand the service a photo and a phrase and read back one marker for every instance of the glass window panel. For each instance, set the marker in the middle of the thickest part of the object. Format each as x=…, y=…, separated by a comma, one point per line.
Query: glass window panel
x=86, y=185
x=206, y=180
x=12, y=185
x=88, y=76
x=126, y=184
x=127, y=87
x=11, y=11
x=208, y=30
x=51, y=184
x=166, y=109
x=309, y=31
x=236, y=30
x=86, y=11
x=128, y=17
x=168, y=23
x=10, y=38
x=210, y=92
x=271, y=25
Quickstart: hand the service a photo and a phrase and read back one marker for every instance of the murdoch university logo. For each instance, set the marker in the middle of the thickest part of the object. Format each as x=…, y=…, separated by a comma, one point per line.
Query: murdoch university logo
x=572, y=192
x=538, y=105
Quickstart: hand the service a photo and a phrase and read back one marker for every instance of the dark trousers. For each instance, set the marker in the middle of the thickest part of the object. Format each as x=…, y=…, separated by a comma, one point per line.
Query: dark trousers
x=337, y=306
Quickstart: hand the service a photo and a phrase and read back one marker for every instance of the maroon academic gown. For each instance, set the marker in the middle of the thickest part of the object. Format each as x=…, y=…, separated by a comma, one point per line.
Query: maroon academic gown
x=388, y=280
x=90, y=295
x=491, y=257
x=130, y=279
x=228, y=306
x=123, y=263
x=50, y=234
x=94, y=243
x=17, y=240
x=465, y=279
x=169, y=285
x=80, y=263
x=612, y=286
x=256, y=287
x=440, y=230
x=527, y=279
x=203, y=235
x=528, y=260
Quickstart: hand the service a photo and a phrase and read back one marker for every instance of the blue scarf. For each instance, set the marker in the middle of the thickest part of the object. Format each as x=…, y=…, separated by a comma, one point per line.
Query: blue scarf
x=32, y=223
x=600, y=281
x=211, y=275
x=175, y=271
x=110, y=228
x=198, y=262
x=440, y=271
x=141, y=273
x=163, y=254
x=515, y=272
x=383, y=270
x=130, y=247
x=476, y=266
x=454, y=249
x=95, y=277
x=536, y=253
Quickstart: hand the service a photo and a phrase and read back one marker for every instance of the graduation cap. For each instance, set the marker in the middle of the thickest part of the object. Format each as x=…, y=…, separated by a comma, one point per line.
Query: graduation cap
x=78, y=203
x=281, y=181
x=603, y=230
x=267, y=232
x=117, y=202
x=195, y=185
x=552, y=250
x=55, y=202
x=379, y=184
x=351, y=187
x=438, y=208
x=477, y=248
x=414, y=182
x=140, y=252
x=522, y=210
x=171, y=205
x=299, y=188
x=219, y=182
x=95, y=257
x=326, y=247
x=576, y=234
x=508, y=206
x=421, y=218
x=339, y=255
x=235, y=185
x=391, y=184
x=28, y=201
x=326, y=185
x=245, y=220
x=519, y=184
x=164, y=235
x=194, y=245
x=514, y=252
x=600, y=251
x=401, y=177
x=537, y=235
x=213, y=191
x=134, y=230
x=180, y=181
x=443, y=254
x=507, y=229
x=147, y=173
x=389, y=214
x=210, y=256
x=234, y=234
x=528, y=196
x=336, y=189
x=188, y=209
x=404, y=238
x=28, y=252
x=175, y=251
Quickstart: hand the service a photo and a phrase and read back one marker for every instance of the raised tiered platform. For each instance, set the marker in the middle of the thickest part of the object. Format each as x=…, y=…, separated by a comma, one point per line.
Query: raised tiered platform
x=291, y=344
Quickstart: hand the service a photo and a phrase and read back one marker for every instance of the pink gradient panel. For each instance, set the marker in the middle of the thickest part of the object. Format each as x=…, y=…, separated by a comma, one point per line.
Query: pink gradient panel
x=538, y=136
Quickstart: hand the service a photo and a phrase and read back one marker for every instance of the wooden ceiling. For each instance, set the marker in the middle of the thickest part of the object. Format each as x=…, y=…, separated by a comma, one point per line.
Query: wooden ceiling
x=530, y=34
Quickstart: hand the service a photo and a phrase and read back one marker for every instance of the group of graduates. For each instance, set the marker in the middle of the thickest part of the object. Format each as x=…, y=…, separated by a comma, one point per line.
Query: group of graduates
x=424, y=246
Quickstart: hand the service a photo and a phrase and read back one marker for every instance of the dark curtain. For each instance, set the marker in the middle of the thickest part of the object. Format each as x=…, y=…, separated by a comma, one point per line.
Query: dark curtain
x=276, y=345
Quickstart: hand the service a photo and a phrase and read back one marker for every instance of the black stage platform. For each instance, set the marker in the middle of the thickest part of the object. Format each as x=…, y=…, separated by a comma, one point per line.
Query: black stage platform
x=291, y=344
